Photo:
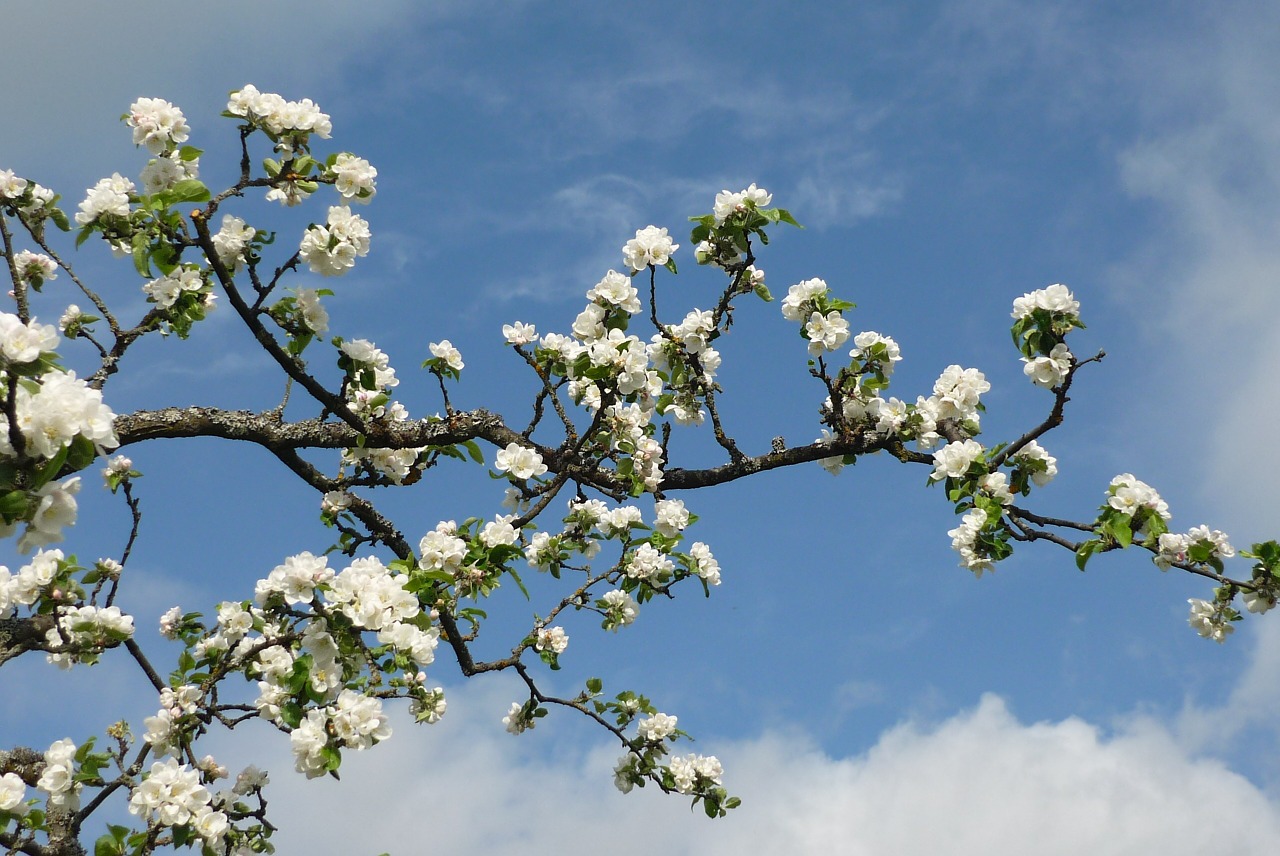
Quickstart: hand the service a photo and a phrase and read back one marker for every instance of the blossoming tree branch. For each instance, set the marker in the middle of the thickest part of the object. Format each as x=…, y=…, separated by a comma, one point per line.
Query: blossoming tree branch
x=330, y=636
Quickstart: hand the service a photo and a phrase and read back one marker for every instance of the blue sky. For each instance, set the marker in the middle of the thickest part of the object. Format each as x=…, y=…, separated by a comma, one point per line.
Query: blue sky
x=945, y=159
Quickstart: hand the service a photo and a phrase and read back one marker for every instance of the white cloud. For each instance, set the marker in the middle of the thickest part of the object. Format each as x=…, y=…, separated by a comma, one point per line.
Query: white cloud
x=980, y=781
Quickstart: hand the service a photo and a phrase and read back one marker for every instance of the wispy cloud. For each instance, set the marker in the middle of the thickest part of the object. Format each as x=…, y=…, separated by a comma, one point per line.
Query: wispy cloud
x=1208, y=158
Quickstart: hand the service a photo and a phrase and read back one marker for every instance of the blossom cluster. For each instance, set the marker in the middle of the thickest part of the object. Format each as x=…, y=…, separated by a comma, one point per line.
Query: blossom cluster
x=34, y=269
x=172, y=795
x=964, y=540
x=166, y=291
x=108, y=199
x=156, y=124
x=650, y=246
x=691, y=771
x=54, y=410
x=32, y=201
x=353, y=721
x=85, y=631
x=163, y=173
x=729, y=204
x=332, y=249
x=370, y=382
x=1200, y=544
x=233, y=241
x=58, y=777
x=1042, y=320
x=1050, y=370
x=304, y=638
x=353, y=177
x=1211, y=619
x=1053, y=299
x=289, y=123
x=519, y=462
x=1136, y=499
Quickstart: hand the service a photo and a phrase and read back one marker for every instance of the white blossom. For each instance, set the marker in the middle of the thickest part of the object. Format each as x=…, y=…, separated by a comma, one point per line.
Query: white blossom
x=445, y=350
x=671, y=517
x=1055, y=298
x=954, y=459
x=332, y=249
x=519, y=333
x=1049, y=371
x=615, y=289
x=57, y=779
x=688, y=769
x=1208, y=620
x=650, y=246
x=958, y=391
x=12, y=186
x=355, y=178
x=13, y=794
x=798, y=303
x=657, y=727
x=1042, y=466
x=552, y=639
x=156, y=124
x=728, y=204
x=109, y=197
x=515, y=720
x=34, y=267
x=520, y=461
x=705, y=564
x=620, y=609
x=964, y=541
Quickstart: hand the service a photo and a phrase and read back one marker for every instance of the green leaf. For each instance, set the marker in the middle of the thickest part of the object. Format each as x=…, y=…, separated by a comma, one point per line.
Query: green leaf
x=13, y=504
x=165, y=258
x=1085, y=550
x=80, y=453
x=519, y=582
x=142, y=255
x=473, y=450
x=784, y=216
x=188, y=190
x=51, y=468
x=109, y=844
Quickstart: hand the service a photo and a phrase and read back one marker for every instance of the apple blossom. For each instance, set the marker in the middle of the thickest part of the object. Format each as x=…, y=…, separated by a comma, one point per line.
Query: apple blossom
x=34, y=268
x=519, y=333
x=156, y=124
x=552, y=639
x=728, y=204
x=650, y=246
x=108, y=198
x=445, y=350
x=1209, y=621
x=332, y=249
x=954, y=459
x=354, y=177
x=1049, y=371
x=520, y=462
x=1055, y=298
x=12, y=186
x=13, y=794
x=656, y=728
